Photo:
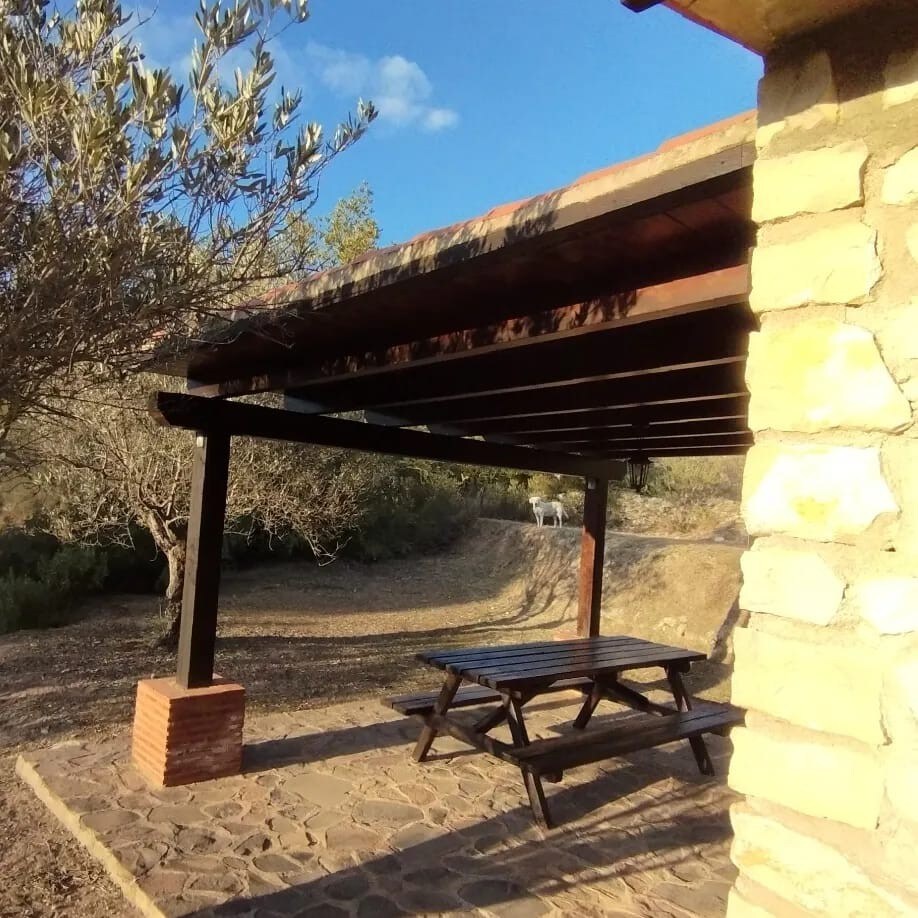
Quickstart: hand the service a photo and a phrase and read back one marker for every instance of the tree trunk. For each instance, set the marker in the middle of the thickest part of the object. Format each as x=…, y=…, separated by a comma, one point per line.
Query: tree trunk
x=175, y=558
x=172, y=545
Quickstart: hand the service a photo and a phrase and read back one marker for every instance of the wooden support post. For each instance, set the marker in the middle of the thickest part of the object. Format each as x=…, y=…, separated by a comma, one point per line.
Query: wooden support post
x=592, y=550
x=198, y=633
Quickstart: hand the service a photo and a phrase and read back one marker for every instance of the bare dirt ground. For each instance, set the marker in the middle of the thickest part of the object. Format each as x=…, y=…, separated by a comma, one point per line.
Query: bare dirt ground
x=299, y=636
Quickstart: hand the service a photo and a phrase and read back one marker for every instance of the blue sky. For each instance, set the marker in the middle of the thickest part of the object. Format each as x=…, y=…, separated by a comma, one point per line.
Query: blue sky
x=486, y=101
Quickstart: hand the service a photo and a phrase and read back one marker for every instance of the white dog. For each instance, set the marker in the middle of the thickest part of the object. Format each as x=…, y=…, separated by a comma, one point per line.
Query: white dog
x=552, y=509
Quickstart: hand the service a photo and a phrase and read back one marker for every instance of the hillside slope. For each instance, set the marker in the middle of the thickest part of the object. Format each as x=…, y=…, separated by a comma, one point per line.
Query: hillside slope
x=670, y=590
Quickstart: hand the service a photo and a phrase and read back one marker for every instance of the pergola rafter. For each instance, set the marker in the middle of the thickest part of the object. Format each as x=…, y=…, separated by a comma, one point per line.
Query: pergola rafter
x=677, y=411
x=679, y=384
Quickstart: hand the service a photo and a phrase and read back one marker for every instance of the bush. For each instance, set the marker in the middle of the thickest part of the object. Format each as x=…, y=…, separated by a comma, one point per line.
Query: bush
x=135, y=568
x=410, y=511
x=23, y=551
x=697, y=478
x=45, y=595
x=498, y=503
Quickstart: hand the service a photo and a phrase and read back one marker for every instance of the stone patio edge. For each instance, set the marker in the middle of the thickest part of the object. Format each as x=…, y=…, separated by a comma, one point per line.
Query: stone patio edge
x=122, y=878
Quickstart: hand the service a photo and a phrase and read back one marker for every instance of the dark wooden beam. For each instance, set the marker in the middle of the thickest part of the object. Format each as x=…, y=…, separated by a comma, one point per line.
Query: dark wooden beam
x=599, y=354
x=198, y=629
x=718, y=425
x=689, y=410
x=672, y=452
x=696, y=293
x=724, y=376
x=592, y=553
x=648, y=444
x=241, y=419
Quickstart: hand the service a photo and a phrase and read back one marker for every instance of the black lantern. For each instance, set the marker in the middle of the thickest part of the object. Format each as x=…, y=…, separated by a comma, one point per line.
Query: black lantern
x=638, y=470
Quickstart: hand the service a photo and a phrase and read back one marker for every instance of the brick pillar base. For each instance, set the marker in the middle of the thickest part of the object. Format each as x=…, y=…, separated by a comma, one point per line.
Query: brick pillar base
x=182, y=736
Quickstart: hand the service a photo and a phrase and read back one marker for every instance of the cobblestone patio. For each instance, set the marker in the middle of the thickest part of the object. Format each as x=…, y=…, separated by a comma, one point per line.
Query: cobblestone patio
x=332, y=817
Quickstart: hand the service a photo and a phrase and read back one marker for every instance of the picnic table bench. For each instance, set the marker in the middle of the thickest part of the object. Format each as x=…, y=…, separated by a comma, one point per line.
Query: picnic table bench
x=511, y=676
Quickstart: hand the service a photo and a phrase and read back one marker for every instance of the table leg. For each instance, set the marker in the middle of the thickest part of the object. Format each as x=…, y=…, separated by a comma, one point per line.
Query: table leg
x=589, y=705
x=684, y=703
x=533, y=782
x=441, y=706
x=537, y=798
x=514, y=711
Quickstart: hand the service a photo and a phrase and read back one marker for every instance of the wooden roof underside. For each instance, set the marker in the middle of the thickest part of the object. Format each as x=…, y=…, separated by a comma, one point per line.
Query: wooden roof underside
x=612, y=327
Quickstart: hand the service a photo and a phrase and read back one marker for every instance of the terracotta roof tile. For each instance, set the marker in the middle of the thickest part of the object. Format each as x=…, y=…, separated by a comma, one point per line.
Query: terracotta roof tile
x=508, y=208
x=502, y=210
x=716, y=127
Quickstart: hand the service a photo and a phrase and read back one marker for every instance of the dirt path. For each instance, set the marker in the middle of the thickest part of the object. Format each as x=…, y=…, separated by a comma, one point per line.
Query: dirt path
x=299, y=636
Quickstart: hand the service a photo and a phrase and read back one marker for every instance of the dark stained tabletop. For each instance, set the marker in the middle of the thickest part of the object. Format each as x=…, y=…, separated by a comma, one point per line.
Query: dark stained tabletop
x=529, y=665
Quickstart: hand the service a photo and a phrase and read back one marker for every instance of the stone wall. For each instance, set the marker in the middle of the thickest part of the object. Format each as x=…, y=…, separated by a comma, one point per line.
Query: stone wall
x=828, y=665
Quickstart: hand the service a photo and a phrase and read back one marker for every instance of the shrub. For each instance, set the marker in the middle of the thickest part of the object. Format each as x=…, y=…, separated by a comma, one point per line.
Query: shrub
x=134, y=568
x=697, y=478
x=499, y=503
x=410, y=513
x=45, y=596
x=24, y=550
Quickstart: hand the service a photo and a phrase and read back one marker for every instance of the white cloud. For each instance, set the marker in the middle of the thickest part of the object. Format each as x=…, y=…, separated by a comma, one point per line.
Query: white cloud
x=339, y=70
x=399, y=88
x=438, y=119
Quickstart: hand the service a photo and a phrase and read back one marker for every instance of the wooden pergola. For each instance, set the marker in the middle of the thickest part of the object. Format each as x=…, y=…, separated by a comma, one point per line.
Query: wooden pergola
x=562, y=334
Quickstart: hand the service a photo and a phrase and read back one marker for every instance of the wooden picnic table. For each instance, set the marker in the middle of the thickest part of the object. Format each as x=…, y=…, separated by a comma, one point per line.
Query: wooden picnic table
x=511, y=676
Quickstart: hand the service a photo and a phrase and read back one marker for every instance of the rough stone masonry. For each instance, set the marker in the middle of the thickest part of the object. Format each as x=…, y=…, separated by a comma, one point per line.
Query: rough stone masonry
x=828, y=666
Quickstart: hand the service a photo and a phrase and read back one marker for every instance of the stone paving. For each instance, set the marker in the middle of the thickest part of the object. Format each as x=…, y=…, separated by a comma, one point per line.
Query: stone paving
x=332, y=817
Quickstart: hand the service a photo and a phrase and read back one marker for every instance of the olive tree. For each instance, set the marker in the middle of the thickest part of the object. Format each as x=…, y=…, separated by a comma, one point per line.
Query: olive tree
x=135, y=206
x=109, y=468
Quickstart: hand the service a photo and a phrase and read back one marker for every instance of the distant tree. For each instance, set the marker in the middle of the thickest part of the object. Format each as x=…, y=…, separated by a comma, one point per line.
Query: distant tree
x=133, y=206
x=348, y=231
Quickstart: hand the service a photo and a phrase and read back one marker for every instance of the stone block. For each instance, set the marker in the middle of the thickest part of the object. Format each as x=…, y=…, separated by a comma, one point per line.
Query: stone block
x=814, y=181
x=805, y=871
x=902, y=785
x=889, y=604
x=182, y=736
x=906, y=680
x=792, y=584
x=740, y=907
x=818, y=374
x=838, y=264
x=797, y=94
x=900, y=459
x=824, y=777
x=897, y=333
x=900, y=181
x=901, y=78
x=826, y=493
x=824, y=687
x=911, y=240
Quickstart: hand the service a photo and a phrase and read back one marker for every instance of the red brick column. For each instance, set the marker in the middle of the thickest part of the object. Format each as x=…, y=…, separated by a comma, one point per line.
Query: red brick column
x=182, y=736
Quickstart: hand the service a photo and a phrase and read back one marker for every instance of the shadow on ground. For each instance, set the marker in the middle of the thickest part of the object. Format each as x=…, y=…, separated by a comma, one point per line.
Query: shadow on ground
x=504, y=863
